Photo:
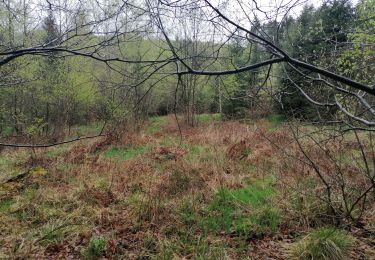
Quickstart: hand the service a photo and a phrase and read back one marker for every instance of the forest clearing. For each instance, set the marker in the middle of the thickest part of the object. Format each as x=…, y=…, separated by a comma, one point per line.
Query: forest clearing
x=187, y=129
x=228, y=190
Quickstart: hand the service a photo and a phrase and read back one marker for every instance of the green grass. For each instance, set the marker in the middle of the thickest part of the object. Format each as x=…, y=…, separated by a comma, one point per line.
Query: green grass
x=52, y=232
x=89, y=129
x=155, y=124
x=246, y=211
x=327, y=243
x=57, y=151
x=96, y=248
x=9, y=166
x=206, y=118
x=5, y=164
x=276, y=119
x=7, y=131
x=187, y=213
x=196, y=151
x=170, y=141
x=192, y=245
x=66, y=166
x=5, y=205
x=125, y=153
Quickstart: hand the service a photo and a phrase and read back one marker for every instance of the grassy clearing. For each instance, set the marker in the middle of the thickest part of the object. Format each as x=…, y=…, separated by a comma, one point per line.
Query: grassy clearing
x=220, y=194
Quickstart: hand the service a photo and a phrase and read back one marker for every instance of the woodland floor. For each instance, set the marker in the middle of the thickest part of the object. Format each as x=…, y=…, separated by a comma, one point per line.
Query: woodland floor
x=219, y=191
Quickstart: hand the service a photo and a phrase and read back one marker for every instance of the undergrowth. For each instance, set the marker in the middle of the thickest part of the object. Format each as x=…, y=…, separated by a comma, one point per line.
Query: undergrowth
x=221, y=193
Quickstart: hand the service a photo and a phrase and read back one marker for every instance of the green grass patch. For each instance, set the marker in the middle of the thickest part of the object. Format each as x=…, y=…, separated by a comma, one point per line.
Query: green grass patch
x=8, y=167
x=170, y=141
x=276, y=119
x=5, y=205
x=66, y=166
x=7, y=131
x=89, y=129
x=57, y=151
x=155, y=124
x=52, y=232
x=198, y=152
x=194, y=150
x=207, y=118
x=96, y=248
x=124, y=153
x=187, y=213
x=247, y=211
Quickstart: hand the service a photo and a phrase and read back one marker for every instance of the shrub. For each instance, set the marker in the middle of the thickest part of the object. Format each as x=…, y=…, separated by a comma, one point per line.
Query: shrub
x=325, y=243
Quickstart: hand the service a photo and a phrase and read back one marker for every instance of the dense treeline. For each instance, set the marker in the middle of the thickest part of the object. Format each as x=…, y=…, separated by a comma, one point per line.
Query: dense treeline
x=324, y=36
x=45, y=95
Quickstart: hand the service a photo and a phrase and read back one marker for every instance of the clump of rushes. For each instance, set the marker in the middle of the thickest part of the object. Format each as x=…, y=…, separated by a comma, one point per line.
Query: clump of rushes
x=325, y=243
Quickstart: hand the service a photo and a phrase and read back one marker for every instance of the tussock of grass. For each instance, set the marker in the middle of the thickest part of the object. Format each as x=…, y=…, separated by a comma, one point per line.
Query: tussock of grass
x=188, y=244
x=96, y=248
x=325, y=243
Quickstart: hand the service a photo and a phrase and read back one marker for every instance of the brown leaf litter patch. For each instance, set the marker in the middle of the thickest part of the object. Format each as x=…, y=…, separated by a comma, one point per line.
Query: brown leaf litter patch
x=169, y=153
x=37, y=161
x=239, y=150
x=97, y=196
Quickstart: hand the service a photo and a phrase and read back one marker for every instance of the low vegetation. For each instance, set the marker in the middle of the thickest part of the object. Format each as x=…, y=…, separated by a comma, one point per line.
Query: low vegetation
x=217, y=193
x=189, y=129
x=324, y=243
